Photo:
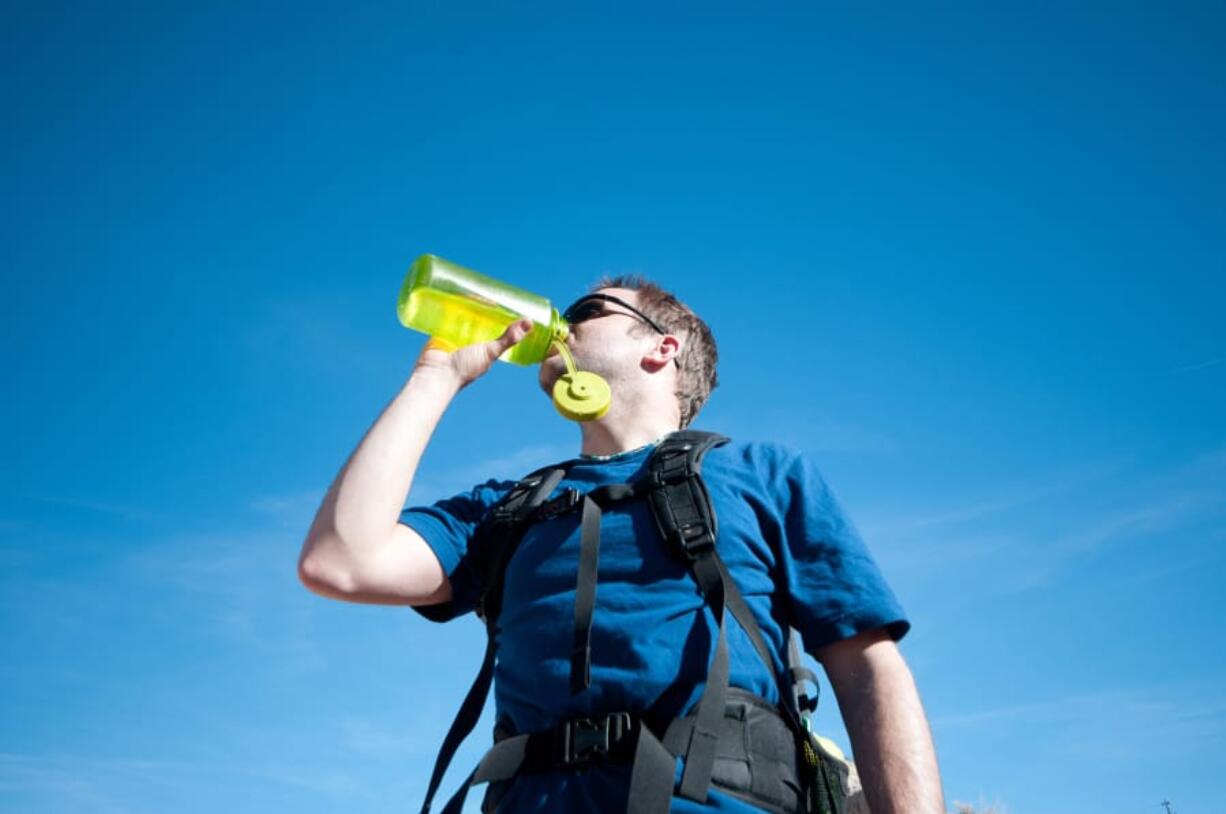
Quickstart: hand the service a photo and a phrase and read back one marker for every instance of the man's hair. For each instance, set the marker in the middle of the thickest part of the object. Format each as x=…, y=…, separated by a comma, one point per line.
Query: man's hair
x=696, y=376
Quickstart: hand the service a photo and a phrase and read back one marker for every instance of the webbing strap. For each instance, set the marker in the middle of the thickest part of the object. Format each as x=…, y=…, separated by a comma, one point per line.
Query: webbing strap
x=651, y=784
x=499, y=536
x=749, y=623
x=651, y=776
x=463, y=724
x=585, y=597
x=700, y=752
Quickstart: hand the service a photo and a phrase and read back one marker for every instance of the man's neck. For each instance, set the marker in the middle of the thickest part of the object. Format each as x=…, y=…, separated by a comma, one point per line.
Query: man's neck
x=616, y=433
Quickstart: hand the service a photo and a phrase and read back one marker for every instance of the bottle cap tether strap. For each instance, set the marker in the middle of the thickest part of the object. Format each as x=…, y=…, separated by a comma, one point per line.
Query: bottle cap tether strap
x=579, y=395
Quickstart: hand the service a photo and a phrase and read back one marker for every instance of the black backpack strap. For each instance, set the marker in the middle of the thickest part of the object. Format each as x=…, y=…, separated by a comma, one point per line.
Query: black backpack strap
x=576, y=744
x=496, y=538
x=682, y=510
x=585, y=597
x=687, y=521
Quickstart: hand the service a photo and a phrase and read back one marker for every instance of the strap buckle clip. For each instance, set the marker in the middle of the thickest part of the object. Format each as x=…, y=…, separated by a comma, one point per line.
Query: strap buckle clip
x=694, y=539
x=560, y=505
x=586, y=739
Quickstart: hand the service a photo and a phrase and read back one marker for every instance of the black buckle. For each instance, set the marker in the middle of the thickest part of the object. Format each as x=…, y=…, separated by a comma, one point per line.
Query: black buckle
x=694, y=539
x=560, y=505
x=674, y=469
x=583, y=740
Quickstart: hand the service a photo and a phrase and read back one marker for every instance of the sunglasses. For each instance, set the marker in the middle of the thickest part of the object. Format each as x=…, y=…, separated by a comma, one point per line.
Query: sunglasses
x=592, y=307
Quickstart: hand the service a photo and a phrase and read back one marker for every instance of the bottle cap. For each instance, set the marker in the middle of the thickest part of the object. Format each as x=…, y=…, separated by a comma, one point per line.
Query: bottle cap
x=582, y=395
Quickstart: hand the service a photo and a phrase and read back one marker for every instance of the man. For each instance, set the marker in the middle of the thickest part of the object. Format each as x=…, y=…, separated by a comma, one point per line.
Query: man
x=795, y=557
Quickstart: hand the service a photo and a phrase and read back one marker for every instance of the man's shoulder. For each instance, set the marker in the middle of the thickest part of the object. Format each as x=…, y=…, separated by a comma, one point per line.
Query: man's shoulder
x=756, y=464
x=771, y=455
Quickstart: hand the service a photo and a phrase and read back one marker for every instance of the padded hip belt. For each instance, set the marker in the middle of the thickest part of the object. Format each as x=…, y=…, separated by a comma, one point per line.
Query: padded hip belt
x=756, y=759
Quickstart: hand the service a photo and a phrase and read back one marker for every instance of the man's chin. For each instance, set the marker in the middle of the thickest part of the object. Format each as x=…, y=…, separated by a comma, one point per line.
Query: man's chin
x=551, y=369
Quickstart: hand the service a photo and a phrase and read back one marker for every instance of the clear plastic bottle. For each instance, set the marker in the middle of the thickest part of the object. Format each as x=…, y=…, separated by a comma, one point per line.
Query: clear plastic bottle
x=460, y=307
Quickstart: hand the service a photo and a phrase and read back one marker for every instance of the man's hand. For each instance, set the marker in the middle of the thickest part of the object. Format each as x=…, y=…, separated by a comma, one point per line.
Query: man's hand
x=889, y=733
x=465, y=365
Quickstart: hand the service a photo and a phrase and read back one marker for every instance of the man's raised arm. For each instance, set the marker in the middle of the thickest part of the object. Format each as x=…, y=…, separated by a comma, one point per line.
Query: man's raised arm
x=355, y=549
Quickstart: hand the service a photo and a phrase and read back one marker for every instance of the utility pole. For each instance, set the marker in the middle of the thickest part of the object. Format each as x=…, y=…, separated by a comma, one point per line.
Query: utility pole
x=1167, y=803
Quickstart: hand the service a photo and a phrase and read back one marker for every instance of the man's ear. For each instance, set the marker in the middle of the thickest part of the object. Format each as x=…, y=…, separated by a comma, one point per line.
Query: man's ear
x=666, y=349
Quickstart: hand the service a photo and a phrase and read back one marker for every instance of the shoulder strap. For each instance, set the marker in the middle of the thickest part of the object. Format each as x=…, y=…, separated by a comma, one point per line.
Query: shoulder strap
x=679, y=499
x=686, y=519
x=494, y=541
x=499, y=533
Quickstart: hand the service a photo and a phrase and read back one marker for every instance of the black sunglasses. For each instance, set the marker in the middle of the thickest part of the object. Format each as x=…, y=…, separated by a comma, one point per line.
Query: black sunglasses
x=592, y=306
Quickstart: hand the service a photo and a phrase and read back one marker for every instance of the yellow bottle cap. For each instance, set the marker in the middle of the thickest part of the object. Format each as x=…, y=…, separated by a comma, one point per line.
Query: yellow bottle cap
x=582, y=395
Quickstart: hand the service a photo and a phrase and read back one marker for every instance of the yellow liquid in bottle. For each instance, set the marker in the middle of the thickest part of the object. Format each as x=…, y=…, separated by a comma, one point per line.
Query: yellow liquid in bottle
x=464, y=320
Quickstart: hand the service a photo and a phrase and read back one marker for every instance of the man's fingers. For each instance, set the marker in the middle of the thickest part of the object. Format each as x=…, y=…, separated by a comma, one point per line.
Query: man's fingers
x=514, y=332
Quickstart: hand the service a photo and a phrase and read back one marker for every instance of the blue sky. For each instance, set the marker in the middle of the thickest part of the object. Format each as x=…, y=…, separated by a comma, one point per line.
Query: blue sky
x=971, y=259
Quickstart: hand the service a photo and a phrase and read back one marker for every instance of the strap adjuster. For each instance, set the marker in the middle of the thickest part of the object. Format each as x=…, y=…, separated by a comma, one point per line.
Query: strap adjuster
x=583, y=740
x=565, y=502
x=694, y=539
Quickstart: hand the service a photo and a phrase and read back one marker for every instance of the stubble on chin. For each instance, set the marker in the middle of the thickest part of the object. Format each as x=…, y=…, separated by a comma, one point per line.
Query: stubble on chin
x=551, y=369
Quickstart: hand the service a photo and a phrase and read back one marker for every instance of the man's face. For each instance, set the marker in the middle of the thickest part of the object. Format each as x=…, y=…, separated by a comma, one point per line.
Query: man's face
x=601, y=342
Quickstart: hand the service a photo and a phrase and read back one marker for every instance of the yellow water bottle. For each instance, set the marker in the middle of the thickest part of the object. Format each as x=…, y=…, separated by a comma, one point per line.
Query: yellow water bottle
x=459, y=307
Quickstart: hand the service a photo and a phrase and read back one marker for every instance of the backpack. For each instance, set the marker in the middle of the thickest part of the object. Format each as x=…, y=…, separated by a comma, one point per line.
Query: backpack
x=793, y=770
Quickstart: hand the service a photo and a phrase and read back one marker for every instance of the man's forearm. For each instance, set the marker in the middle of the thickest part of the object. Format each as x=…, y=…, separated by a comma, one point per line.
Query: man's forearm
x=890, y=739
x=365, y=500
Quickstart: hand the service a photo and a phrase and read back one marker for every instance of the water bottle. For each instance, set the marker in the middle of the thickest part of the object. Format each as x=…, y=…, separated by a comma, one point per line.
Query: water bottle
x=458, y=306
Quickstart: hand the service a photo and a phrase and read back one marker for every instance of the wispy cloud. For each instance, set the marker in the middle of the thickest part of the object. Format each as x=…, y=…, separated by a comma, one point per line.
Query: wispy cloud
x=1162, y=513
x=292, y=510
x=433, y=485
x=1024, y=536
x=92, y=505
x=123, y=784
x=1003, y=499
x=1200, y=365
x=1108, y=723
x=816, y=434
x=240, y=587
x=371, y=740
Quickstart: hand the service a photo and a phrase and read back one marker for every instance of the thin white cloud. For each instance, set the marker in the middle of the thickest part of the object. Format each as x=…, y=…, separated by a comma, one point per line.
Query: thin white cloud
x=1163, y=513
x=1200, y=365
x=1006, y=498
x=371, y=740
x=292, y=509
x=816, y=434
x=1022, y=538
x=430, y=486
x=99, y=506
x=102, y=782
x=1116, y=723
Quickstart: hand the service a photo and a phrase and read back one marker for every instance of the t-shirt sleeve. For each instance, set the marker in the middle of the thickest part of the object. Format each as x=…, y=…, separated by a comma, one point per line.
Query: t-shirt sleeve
x=836, y=588
x=447, y=526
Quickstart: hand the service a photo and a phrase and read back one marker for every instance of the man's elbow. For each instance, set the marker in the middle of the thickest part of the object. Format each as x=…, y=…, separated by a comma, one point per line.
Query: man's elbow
x=322, y=575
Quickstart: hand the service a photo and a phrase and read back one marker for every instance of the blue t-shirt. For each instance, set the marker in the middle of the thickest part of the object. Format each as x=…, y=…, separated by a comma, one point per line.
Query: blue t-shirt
x=795, y=556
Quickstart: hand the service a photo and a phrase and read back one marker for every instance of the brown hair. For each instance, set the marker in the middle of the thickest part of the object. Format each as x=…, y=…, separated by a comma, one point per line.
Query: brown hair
x=696, y=376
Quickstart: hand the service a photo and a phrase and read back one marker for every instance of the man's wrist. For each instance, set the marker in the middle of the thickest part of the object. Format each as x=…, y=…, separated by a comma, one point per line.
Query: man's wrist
x=436, y=382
